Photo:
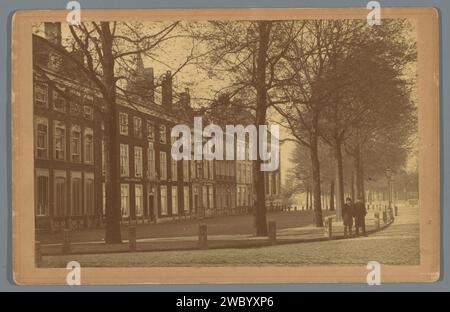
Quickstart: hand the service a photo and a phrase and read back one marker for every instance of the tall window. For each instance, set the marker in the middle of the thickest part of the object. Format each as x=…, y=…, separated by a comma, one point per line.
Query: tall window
x=138, y=161
x=162, y=166
x=41, y=138
x=88, y=146
x=210, y=197
x=150, y=131
x=76, y=107
x=174, y=170
x=89, y=195
x=60, y=141
x=60, y=194
x=76, y=194
x=151, y=161
x=124, y=161
x=41, y=94
x=163, y=200
x=205, y=196
x=162, y=134
x=42, y=193
x=75, y=143
x=174, y=200
x=186, y=198
x=123, y=123
x=59, y=102
x=137, y=126
x=125, y=200
x=139, y=200
x=185, y=170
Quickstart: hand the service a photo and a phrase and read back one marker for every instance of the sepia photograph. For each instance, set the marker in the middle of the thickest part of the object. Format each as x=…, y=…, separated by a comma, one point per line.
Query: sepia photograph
x=223, y=146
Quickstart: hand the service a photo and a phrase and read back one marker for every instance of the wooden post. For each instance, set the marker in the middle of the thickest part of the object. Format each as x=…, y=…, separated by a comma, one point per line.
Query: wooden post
x=272, y=232
x=66, y=241
x=396, y=210
x=132, y=237
x=202, y=236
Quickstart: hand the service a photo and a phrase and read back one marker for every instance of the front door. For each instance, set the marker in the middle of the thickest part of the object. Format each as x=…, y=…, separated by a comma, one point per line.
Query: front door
x=151, y=207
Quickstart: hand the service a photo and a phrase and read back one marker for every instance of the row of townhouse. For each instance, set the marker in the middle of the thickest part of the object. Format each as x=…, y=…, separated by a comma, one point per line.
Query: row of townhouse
x=71, y=152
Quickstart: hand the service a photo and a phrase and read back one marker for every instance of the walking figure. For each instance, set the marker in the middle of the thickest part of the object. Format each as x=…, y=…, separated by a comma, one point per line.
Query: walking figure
x=360, y=217
x=347, y=216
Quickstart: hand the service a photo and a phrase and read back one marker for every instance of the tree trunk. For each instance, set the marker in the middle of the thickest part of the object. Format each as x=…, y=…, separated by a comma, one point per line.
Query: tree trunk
x=261, y=109
x=352, y=185
x=307, y=198
x=339, y=181
x=316, y=181
x=332, y=195
x=113, y=213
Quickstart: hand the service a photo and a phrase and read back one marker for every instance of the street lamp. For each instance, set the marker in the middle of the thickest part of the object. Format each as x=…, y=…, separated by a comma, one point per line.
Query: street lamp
x=389, y=179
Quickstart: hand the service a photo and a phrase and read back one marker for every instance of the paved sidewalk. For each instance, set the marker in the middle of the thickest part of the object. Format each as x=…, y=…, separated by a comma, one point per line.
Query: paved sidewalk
x=285, y=235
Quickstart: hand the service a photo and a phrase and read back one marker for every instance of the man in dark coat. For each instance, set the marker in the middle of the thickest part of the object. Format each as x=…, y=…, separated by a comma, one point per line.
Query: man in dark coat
x=347, y=216
x=360, y=216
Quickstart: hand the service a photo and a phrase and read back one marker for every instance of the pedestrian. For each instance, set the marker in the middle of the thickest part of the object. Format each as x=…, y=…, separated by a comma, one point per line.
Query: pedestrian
x=347, y=216
x=360, y=216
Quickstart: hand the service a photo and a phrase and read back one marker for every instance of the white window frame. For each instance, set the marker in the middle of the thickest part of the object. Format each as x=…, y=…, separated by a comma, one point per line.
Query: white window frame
x=139, y=197
x=162, y=134
x=174, y=194
x=137, y=127
x=123, y=123
x=59, y=125
x=124, y=160
x=43, y=92
x=186, y=197
x=60, y=174
x=41, y=121
x=138, y=161
x=58, y=96
x=163, y=195
x=77, y=129
x=76, y=175
x=89, y=177
x=174, y=169
x=162, y=165
x=42, y=211
x=151, y=158
x=88, y=150
x=125, y=200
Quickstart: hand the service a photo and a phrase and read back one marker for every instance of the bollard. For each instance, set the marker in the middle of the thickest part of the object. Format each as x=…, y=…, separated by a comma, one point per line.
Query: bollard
x=396, y=210
x=329, y=227
x=202, y=236
x=377, y=220
x=66, y=241
x=272, y=231
x=132, y=238
x=37, y=251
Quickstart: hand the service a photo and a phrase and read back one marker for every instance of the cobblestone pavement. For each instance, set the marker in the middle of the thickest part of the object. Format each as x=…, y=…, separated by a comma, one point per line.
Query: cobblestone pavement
x=398, y=244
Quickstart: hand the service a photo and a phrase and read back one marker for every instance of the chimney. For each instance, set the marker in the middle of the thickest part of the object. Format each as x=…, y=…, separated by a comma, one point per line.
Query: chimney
x=53, y=32
x=166, y=90
x=149, y=84
x=185, y=98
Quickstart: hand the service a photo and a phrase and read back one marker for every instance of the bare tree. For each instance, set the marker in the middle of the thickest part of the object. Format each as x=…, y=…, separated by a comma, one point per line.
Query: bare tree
x=247, y=57
x=108, y=51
